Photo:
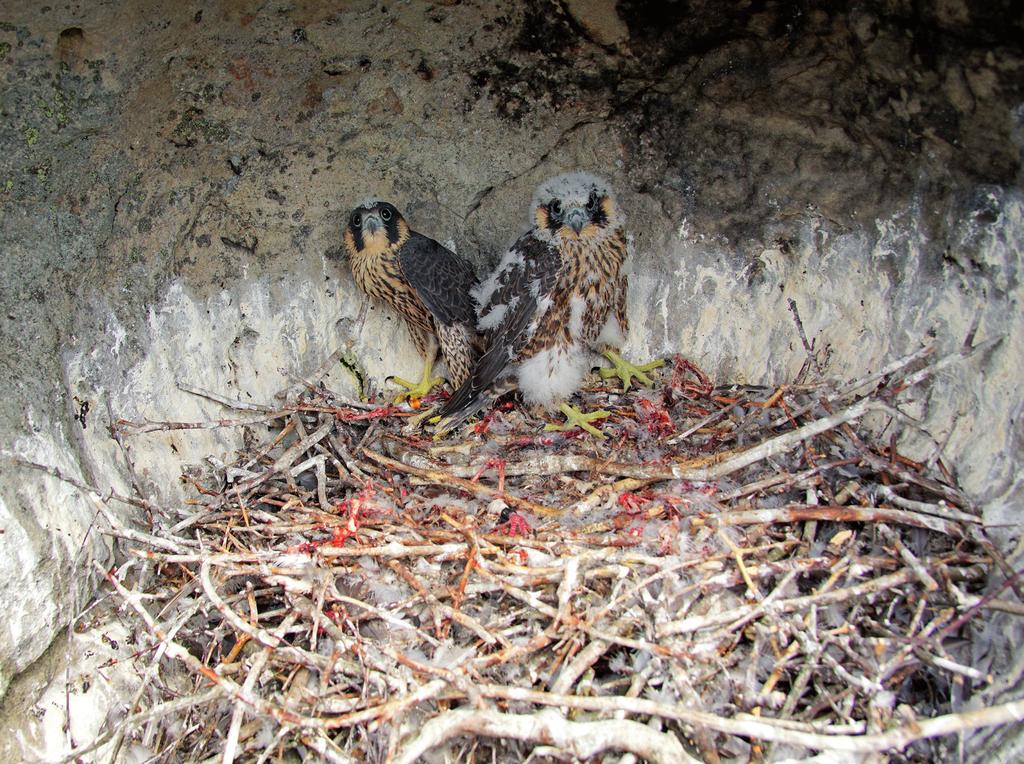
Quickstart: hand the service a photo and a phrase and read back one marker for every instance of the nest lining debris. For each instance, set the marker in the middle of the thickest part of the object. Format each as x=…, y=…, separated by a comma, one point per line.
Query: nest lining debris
x=734, y=573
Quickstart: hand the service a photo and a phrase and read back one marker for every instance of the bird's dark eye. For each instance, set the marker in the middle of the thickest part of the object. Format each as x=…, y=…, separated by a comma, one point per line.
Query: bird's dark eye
x=555, y=208
x=385, y=214
x=593, y=201
x=357, y=220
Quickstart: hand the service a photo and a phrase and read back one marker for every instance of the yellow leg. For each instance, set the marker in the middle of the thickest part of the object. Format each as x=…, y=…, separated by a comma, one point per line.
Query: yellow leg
x=575, y=418
x=416, y=390
x=626, y=371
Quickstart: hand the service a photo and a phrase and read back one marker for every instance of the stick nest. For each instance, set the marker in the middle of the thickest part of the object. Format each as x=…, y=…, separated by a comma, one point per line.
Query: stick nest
x=733, y=574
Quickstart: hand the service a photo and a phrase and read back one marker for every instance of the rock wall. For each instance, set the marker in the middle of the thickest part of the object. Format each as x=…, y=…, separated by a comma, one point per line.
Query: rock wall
x=173, y=178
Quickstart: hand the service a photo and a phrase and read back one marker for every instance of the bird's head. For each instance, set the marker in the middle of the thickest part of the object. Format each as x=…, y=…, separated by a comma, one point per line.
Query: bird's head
x=575, y=206
x=373, y=227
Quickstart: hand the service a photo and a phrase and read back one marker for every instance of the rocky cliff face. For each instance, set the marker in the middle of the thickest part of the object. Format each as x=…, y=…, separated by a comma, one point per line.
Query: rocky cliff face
x=173, y=179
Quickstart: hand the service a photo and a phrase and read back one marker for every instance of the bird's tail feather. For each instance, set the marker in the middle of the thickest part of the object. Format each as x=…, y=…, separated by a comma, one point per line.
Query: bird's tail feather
x=465, y=395
x=452, y=417
x=468, y=401
x=480, y=389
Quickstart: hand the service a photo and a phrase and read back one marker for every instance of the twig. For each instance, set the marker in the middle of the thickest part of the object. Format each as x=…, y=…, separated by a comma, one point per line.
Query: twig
x=459, y=617
x=930, y=584
x=139, y=428
x=897, y=738
x=584, y=659
x=892, y=368
x=228, y=402
x=264, y=637
x=602, y=493
x=772, y=447
x=795, y=513
x=583, y=740
x=308, y=382
x=86, y=487
x=882, y=583
x=231, y=743
x=326, y=748
x=928, y=508
x=288, y=458
x=782, y=478
x=160, y=711
x=151, y=671
x=692, y=469
x=118, y=529
x=177, y=651
x=441, y=478
x=949, y=360
x=907, y=475
x=808, y=346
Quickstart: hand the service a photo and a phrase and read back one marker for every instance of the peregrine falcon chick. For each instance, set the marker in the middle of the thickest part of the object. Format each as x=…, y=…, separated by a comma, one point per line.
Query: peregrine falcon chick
x=426, y=283
x=556, y=295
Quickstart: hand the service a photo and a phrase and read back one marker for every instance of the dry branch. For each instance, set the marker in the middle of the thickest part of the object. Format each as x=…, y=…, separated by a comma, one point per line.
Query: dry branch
x=795, y=513
x=442, y=478
x=768, y=729
x=582, y=739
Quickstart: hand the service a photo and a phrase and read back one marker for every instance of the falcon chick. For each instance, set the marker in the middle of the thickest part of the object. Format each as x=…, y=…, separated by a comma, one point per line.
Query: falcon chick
x=426, y=283
x=556, y=295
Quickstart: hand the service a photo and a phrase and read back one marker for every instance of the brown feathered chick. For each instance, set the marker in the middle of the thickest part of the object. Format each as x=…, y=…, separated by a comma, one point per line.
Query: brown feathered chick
x=428, y=284
x=557, y=295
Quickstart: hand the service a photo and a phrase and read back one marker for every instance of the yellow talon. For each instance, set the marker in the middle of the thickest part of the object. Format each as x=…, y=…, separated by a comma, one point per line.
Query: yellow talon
x=627, y=371
x=416, y=390
x=576, y=418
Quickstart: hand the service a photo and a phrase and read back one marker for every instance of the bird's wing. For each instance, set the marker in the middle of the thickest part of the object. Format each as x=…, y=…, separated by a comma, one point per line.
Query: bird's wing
x=442, y=279
x=511, y=300
x=522, y=285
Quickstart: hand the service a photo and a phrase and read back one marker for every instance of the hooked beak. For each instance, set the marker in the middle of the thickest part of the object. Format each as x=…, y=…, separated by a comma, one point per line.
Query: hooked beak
x=576, y=218
x=372, y=223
